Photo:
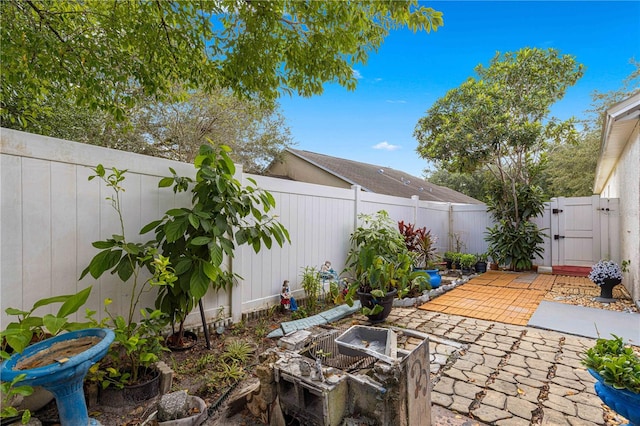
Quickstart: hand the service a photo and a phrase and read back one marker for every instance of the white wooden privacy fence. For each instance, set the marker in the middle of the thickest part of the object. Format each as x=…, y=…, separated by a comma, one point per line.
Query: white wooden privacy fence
x=50, y=214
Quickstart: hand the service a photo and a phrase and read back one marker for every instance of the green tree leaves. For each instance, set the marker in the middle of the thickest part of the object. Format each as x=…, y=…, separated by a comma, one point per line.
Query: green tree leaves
x=500, y=122
x=225, y=214
x=100, y=51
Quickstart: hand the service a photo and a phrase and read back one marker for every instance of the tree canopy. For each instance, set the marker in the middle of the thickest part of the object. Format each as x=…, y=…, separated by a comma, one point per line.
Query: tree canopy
x=105, y=53
x=256, y=132
x=572, y=166
x=501, y=122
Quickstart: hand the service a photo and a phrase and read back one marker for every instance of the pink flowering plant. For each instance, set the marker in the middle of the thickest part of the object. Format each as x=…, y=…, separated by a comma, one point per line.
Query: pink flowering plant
x=603, y=270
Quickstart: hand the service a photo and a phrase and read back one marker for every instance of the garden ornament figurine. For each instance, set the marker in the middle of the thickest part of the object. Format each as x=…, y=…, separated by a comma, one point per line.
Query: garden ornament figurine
x=327, y=272
x=286, y=299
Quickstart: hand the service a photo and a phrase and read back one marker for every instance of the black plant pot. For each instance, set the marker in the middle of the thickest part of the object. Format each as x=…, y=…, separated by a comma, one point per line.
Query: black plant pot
x=606, y=290
x=143, y=391
x=481, y=267
x=367, y=300
x=449, y=263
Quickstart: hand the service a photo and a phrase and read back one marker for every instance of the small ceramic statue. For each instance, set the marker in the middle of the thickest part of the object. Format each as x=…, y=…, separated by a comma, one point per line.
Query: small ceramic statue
x=327, y=272
x=286, y=299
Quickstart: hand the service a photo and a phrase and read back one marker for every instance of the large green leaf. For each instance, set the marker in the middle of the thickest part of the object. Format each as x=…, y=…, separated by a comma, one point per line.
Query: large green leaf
x=176, y=228
x=200, y=241
x=73, y=303
x=103, y=261
x=53, y=324
x=211, y=271
x=199, y=283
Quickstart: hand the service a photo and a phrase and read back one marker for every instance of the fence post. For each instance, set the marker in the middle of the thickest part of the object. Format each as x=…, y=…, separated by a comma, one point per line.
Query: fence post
x=235, y=264
x=416, y=206
x=356, y=200
x=451, y=229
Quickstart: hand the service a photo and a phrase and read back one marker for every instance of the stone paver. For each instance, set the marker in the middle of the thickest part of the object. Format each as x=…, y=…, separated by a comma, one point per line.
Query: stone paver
x=505, y=374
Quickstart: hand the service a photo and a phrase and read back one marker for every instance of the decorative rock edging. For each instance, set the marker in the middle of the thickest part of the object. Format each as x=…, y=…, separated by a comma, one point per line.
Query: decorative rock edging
x=430, y=294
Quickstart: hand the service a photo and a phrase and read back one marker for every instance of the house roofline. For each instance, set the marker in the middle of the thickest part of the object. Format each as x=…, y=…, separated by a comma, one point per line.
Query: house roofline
x=331, y=172
x=618, y=114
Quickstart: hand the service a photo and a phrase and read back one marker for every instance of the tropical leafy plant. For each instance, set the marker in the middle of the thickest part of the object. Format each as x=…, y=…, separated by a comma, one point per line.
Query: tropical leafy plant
x=421, y=243
x=137, y=344
x=616, y=362
x=514, y=245
x=28, y=327
x=225, y=214
x=378, y=260
x=9, y=391
x=467, y=260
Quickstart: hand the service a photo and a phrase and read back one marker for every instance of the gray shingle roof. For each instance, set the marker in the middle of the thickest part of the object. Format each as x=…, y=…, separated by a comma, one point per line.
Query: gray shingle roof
x=383, y=180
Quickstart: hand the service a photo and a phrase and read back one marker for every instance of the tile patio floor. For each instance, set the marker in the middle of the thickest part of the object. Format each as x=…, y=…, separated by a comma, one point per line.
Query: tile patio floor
x=495, y=296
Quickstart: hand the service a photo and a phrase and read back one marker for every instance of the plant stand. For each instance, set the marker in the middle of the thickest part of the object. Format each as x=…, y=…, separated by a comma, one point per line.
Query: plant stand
x=59, y=364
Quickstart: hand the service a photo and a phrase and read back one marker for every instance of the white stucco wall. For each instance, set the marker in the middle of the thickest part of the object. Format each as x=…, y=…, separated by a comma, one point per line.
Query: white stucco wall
x=624, y=183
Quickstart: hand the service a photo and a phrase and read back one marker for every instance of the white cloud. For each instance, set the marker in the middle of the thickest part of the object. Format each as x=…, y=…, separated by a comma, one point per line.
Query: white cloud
x=386, y=146
x=356, y=74
x=390, y=101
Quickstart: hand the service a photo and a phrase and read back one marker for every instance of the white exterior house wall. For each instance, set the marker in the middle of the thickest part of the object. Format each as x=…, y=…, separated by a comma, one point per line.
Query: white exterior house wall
x=618, y=176
x=624, y=183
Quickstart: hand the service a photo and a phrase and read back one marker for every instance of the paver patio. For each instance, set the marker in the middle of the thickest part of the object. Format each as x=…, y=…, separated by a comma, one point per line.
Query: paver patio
x=495, y=296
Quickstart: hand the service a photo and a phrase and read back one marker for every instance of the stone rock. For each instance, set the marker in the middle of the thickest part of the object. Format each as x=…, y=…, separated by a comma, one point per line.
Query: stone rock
x=174, y=405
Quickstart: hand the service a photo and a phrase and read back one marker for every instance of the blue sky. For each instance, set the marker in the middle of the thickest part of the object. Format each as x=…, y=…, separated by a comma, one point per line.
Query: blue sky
x=413, y=70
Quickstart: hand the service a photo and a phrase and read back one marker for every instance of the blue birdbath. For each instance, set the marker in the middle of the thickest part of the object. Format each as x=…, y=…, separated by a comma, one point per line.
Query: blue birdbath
x=59, y=365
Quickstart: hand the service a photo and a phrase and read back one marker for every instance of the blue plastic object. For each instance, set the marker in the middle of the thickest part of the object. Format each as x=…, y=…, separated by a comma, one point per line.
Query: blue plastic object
x=622, y=401
x=63, y=376
x=434, y=278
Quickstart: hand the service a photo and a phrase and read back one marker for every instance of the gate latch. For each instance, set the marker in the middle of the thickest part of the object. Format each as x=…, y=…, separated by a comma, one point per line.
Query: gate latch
x=556, y=211
x=558, y=237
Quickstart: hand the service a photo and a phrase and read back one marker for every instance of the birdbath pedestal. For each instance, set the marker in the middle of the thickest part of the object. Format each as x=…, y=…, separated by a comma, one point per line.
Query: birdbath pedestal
x=59, y=364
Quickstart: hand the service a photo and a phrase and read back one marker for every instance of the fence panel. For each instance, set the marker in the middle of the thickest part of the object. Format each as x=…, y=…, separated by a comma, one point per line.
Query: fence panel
x=50, y=214
x=469, y=223
x=319, y=220
x=435, y=217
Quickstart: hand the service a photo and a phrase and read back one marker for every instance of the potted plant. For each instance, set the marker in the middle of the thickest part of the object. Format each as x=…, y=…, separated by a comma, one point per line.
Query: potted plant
x=136, y=347
x=481, y=263
x=448, y=258
x=607, y=274
x=455, y=260
x=616, y=367
x=225, y=214
x=467, y=261
x=422, y=245
x=379, y=264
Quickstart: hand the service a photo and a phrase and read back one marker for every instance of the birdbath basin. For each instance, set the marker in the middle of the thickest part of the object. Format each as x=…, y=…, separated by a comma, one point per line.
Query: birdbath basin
x=59, y=365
